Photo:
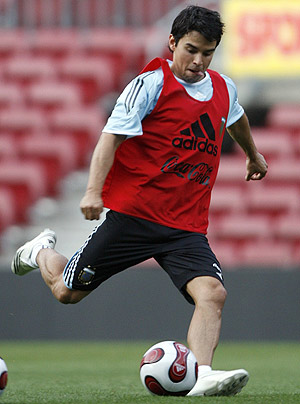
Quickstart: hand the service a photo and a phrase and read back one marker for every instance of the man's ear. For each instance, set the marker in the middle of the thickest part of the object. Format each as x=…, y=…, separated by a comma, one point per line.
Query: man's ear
x=172, y=44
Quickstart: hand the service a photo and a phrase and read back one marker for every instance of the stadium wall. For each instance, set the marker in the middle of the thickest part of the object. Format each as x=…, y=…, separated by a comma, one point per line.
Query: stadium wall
x=141, y=303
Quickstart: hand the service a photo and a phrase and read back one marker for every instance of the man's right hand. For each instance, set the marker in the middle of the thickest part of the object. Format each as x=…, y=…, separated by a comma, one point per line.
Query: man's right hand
x=91, y=206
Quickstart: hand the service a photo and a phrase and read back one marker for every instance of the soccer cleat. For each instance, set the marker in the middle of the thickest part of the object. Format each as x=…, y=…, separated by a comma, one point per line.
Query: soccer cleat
x=220, y=383
x=22, y=262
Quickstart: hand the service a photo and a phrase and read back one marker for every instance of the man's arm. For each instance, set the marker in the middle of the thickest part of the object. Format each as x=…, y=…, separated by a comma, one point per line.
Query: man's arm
x=256, y=165
x=91, y=204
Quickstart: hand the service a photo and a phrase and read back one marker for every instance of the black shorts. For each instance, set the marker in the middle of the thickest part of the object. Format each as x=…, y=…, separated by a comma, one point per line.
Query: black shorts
x=123, y=241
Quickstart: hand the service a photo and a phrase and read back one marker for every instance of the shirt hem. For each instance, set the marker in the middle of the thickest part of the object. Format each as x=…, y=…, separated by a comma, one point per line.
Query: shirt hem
x=202, y=230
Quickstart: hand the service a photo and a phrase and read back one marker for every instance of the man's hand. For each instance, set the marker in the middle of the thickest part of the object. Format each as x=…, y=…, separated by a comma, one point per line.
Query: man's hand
x=91, y=206
x=256, y=167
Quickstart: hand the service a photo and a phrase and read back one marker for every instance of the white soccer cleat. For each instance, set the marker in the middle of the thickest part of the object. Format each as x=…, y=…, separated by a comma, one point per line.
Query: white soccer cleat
x=22, y=262
x=220, y=383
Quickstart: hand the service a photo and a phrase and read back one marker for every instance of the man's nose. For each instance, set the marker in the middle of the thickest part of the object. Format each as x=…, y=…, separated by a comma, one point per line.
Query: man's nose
x=198, y=60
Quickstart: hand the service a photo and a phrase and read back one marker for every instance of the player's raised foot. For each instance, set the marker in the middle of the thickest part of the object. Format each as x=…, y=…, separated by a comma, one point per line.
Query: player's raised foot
x=24, y=261
x=220, y=383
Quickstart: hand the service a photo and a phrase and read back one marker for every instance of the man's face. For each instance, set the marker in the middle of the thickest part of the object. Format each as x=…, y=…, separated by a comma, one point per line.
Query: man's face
x=191, y=56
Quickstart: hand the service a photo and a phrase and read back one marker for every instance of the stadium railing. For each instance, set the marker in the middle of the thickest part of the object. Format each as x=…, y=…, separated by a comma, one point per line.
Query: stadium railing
x=85, y=13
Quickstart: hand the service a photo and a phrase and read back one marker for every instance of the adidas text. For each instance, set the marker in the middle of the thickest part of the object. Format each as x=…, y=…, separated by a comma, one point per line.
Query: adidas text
x=194, y=144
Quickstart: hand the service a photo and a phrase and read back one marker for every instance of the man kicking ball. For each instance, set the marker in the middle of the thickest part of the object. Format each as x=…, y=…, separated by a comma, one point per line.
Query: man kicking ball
x=154, y=168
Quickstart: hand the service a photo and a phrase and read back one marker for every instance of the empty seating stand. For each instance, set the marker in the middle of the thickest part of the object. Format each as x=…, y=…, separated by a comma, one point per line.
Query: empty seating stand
x=25, y=182
x=56, y=155
x=50, y=115
x=258, y=222
x=51, y=89
x=8, y=213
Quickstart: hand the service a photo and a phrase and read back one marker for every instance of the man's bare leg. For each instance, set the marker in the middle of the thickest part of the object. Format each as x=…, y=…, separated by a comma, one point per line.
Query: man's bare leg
x=203, y=336
x=52, y=265
x=39, y=253
x=209, y=296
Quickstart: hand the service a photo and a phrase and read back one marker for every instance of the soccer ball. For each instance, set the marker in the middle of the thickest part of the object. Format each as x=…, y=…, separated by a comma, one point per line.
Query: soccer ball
x=3, y=375
x=169, y=368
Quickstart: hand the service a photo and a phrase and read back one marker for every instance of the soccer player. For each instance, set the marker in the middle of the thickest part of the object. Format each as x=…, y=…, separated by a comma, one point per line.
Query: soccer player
x=154, y=168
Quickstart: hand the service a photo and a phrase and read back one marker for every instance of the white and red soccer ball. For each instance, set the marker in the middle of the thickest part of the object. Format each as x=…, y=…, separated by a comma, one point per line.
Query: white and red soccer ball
x=169, y=368
x=3, y=375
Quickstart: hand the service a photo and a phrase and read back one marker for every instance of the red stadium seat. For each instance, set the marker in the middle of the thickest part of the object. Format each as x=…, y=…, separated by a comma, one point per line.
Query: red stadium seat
x=267, y=253
x=12, y=42
x=232, y=170
x=26, y=69
x=8, y=147
x=94, y=76
x=296, y=255
x=83, y=124
x=26, y=181
x=227, y=199
x=21, y=121
x=54, y=43
x=284, y=171
x=227, y=252
x=7, y=210
x=11, y=95
x=58, y=156
x=242, y=227
x=273, y=142
x=49, y=95
x=288, y=227
x=273, y=199
x=297, y=143
x=284, y=116
x=124, y=48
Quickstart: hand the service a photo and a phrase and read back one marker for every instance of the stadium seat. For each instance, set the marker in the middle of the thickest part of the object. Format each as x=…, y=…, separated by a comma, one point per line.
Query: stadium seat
x=273, y=199
x=12, y=42
x=8, y=147
x=288, y=227
x=273, y=142
x=284, y=116
x=94, y=75
x=10, y=95
x=125, y=49
x=297, y=143
x=227, y=199
x=58, y=156
x=296, y=255
x=7, y=210
x=242, y=227
x=227, y=252
x=284, y=171
x=26, y=182
x=54, y=43
x=26, y=69
x=52, y=94
x=267, y=253
x=232, y=170
x=83, y=124
x=21, y=121
x=138, y=11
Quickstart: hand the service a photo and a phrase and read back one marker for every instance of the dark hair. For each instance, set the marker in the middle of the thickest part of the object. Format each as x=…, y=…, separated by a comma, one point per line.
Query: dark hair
x=194, y=18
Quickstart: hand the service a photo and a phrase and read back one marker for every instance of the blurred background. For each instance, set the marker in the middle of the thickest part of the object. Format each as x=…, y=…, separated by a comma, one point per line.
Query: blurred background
x=62, y=65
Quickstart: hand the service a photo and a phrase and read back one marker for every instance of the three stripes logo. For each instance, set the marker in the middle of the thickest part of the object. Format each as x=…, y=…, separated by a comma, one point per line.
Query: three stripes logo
x=134, y=92
x=200, y=136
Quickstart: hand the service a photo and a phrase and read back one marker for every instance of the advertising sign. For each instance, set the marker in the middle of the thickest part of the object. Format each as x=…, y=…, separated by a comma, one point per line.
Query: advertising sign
x=262, y=37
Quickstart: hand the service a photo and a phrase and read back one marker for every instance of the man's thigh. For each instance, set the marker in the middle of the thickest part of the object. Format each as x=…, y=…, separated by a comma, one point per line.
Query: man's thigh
x=120, y=242
x=188, y=258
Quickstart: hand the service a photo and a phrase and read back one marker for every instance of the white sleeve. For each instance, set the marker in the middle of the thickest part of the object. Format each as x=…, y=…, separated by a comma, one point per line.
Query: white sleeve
x=136, y=102
x=235, y=109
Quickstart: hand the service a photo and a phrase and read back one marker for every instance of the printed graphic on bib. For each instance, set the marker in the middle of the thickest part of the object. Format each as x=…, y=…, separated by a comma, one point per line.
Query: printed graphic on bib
x=199, y=136
x=199, y=173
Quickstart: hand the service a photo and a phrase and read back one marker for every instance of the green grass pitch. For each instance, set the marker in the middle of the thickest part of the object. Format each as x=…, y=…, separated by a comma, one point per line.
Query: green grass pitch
x=100, y=372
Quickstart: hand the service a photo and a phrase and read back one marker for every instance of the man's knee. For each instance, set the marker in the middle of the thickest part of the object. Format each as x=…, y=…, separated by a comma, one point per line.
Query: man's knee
x=67, y=296
x=207, y=289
